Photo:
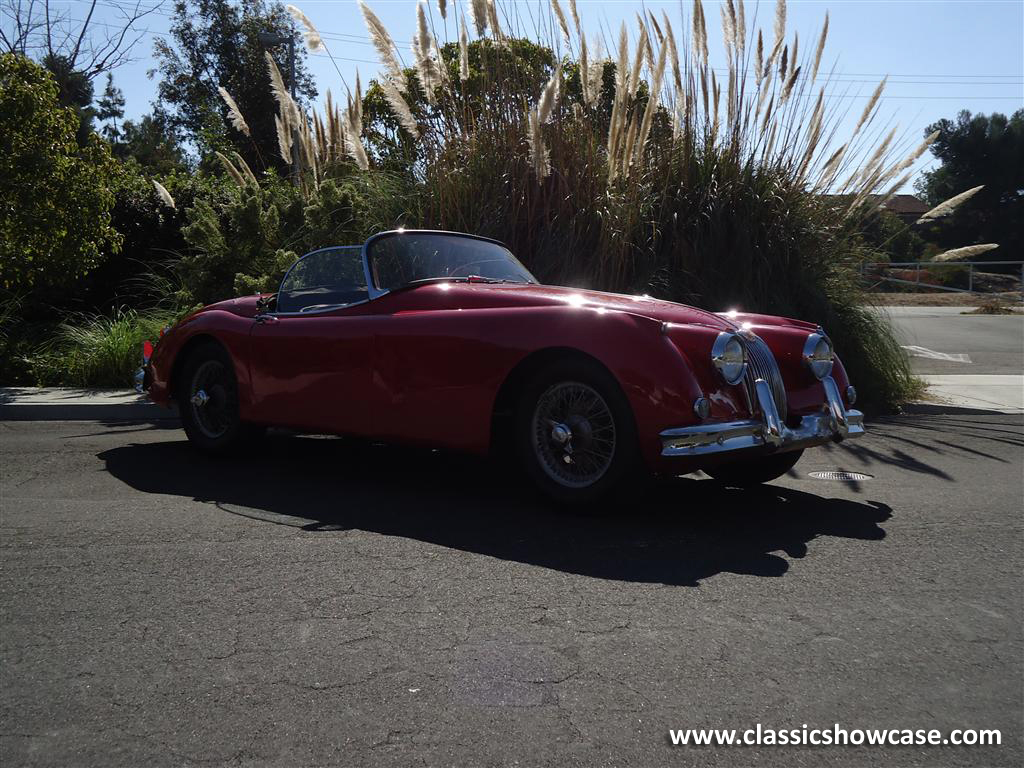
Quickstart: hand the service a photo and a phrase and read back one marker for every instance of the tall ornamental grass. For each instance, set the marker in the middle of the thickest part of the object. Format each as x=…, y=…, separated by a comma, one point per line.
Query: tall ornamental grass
x=630, y=163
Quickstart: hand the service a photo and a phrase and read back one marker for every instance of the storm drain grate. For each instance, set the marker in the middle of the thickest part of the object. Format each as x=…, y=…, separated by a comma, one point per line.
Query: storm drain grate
x=832, y=474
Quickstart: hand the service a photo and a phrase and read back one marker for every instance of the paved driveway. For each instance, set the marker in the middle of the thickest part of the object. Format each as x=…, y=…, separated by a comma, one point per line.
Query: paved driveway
x=319, y=604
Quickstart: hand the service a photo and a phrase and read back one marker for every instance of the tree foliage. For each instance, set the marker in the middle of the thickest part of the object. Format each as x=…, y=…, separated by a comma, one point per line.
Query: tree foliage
x=242, y=239
x=55, y=196
x=976, y=150
x=216, y=43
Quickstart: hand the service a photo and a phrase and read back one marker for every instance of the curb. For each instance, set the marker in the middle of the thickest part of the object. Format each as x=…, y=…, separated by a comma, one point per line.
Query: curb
x=60, y=404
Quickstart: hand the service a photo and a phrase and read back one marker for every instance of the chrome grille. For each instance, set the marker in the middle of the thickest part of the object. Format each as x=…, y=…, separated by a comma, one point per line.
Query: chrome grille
x=761, y=365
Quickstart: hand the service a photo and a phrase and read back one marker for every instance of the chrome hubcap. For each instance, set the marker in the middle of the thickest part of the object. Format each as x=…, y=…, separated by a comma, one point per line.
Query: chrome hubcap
x=573, y=434
x=213, y=399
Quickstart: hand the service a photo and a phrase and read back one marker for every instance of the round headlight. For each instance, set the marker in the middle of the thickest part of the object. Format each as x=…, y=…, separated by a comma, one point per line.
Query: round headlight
x=818, y=355
x=729, y=356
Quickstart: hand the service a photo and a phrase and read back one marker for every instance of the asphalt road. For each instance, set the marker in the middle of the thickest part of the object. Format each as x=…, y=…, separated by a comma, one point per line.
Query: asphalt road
x=315, y=603
x=994, y=344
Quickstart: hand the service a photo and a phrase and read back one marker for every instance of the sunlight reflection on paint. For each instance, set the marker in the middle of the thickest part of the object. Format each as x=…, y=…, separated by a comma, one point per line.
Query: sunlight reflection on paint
x=575, y=300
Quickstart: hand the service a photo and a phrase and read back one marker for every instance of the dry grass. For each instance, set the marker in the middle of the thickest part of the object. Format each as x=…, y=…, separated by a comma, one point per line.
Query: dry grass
x=650, y=171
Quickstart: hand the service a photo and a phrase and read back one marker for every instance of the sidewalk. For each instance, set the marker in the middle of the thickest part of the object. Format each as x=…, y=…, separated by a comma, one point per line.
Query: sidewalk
x=66, y=404
x=997, y=393
x=1000, y=393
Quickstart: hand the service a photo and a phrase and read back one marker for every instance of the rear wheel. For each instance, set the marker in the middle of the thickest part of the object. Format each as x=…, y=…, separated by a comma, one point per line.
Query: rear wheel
x=575, y=433
x=208, y=401
x=755, y=471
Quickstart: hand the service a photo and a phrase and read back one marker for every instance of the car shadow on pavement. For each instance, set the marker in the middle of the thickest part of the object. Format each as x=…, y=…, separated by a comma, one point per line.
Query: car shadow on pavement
x=676, y=531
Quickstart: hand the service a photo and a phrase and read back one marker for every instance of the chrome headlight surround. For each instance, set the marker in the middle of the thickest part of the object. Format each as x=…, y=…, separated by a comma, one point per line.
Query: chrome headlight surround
x=729, y=356
x=818, y=355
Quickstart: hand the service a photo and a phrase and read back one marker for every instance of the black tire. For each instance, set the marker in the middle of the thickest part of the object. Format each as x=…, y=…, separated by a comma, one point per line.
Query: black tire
x=755, y=471
x=212, y=423
x=596, y=472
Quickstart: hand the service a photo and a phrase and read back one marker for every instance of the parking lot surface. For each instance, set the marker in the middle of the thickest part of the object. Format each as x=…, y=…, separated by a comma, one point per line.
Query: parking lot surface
x=316, y=602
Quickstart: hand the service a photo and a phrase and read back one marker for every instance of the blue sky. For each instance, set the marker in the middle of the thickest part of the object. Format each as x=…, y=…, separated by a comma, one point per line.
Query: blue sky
x=941, y=55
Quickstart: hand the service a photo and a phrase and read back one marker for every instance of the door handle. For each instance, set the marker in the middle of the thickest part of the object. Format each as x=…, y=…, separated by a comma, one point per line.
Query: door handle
x=268, y=319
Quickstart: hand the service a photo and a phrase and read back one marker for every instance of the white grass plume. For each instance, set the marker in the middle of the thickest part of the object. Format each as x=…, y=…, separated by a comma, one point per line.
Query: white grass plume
x=245, y=169
x=967, y=252
x=478, y=12
x=700, y=32
x=780, y=21
x=400, y=107
x=549, y=97
x=492, y=19
x=284, y=138
x=288, y=108
x=539, y=154
x=562, y=22
x=230, y=168
x=673, y=52
x=353, y=127
x=385, y=45
x=234, y=112
x=165, y=196
x=427, y=69
x=311, y=35
x=947, y=207
x=871, y=104
x=821, y=48
x=463, y=50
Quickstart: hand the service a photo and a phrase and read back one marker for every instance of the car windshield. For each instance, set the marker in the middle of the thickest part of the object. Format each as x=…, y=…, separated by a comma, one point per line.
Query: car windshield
x=403, y=258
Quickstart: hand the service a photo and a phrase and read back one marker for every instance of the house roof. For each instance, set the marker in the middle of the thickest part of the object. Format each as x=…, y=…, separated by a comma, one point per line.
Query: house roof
x=908, y=204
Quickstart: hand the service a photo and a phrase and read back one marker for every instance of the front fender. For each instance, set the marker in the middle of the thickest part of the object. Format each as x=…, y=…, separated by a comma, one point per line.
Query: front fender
x=229, y=330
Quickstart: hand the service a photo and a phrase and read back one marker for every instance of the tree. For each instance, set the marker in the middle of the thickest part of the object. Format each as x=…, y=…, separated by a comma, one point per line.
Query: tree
x=40, y=30
x=976, y=150
x=55, y=196
x=110, y=109
x=216, y=44
x=153, y=145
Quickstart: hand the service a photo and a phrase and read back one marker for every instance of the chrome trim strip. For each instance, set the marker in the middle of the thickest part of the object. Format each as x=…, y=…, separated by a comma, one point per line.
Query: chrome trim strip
x=832, y=423
x=761, y=364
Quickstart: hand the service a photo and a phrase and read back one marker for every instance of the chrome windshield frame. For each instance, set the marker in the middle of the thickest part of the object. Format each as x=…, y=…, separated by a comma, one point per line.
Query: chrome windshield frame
x=371, y=285
x=302, y=258
x=372, y=290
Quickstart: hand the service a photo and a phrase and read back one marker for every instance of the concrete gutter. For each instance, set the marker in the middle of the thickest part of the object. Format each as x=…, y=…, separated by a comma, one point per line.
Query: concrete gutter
x=993, y=393
x=66, y=404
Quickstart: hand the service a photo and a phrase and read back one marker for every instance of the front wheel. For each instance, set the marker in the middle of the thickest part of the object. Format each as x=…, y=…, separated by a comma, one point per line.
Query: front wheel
x=755, y=471
x=208, y=401
x=575, y=433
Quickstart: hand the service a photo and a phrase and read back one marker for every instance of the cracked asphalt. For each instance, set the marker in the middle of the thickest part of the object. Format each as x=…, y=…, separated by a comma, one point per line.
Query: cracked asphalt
x=318, y=602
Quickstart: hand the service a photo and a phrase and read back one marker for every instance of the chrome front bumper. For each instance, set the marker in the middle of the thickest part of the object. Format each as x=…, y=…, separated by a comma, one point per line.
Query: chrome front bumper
x=833, y=423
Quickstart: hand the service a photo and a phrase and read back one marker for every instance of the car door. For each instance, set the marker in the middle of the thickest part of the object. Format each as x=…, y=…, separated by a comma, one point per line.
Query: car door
x=311, y=358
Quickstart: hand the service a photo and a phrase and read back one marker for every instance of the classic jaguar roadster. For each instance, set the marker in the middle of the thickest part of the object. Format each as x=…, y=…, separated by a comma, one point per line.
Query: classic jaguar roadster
x=446, y=340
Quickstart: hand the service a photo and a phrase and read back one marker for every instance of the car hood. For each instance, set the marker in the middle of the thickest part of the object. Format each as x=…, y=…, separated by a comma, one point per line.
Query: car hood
x=481, y=295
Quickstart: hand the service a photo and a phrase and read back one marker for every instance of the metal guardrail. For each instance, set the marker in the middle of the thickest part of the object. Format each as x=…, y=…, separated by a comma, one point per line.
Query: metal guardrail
x=918, y=265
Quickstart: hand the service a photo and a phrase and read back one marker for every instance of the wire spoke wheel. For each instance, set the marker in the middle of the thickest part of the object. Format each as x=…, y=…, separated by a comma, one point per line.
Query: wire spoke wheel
x=573, y=434
x=212, y=399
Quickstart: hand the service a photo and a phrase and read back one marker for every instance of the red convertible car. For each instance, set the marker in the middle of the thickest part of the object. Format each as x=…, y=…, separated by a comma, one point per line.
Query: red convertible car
x=446, y=340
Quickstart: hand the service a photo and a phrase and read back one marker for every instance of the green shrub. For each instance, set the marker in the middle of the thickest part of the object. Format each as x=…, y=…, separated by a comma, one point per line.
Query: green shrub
x=241, y=239
x=98, y=350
